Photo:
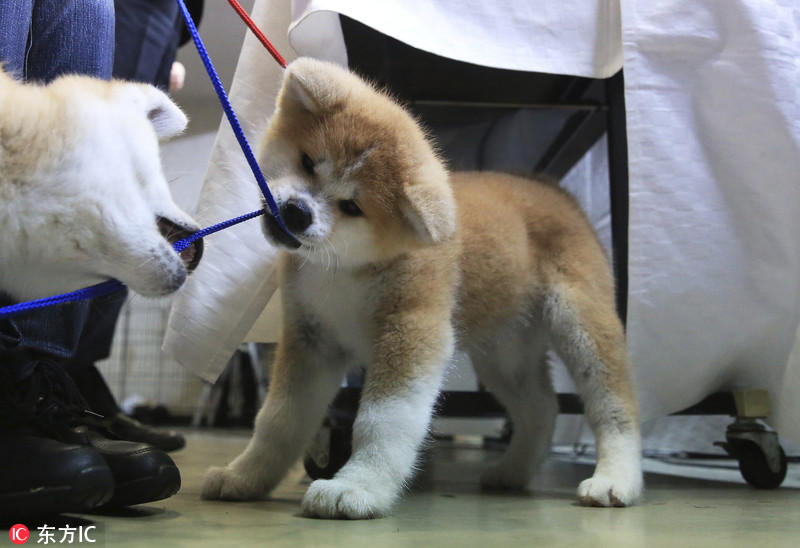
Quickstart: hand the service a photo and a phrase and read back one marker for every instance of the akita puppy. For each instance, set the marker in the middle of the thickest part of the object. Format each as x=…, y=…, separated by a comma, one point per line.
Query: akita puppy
x=82, y=194
x=394, y=262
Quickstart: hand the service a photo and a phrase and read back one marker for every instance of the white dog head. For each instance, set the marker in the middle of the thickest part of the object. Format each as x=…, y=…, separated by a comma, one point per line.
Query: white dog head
x=82, y=193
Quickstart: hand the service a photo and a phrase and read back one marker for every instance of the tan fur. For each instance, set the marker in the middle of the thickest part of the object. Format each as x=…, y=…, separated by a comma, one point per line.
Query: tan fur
x=499, y=264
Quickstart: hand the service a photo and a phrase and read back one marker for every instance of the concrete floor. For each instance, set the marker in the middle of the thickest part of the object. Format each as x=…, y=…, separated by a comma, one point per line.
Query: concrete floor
x=446, y=508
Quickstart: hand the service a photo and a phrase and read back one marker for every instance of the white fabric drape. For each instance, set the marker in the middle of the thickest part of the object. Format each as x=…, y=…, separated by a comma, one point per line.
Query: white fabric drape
x=713, y=106
x=224, y=297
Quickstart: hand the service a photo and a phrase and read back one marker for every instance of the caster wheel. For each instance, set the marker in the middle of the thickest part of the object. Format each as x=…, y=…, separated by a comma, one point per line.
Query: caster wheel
x=756, y=470
x=339, y=451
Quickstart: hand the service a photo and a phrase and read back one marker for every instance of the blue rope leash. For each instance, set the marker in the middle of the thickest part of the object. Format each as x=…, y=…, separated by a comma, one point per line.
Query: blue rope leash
x=180, y=245
x=112, y=286
x=97, y=290
x=234, y=122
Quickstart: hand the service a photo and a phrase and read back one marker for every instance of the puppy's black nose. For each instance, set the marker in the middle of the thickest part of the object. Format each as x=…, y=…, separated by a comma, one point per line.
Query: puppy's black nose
x=296, y=216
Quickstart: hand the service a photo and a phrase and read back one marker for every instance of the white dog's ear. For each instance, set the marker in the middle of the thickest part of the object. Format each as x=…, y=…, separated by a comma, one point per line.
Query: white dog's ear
x=315, y=86
x=430, y=210
x=167, y=118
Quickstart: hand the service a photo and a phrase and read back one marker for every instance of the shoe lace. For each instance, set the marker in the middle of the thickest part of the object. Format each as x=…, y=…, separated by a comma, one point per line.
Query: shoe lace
x=47, y=400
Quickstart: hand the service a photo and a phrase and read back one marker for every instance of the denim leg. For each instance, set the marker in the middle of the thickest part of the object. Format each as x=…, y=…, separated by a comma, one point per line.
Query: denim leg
x=147, y=36
x=71, y=37
x=49, y=334
x=95, y=345
x=15, y=23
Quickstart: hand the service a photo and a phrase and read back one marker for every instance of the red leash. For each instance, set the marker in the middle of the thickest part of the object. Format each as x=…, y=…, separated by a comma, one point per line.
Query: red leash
x=260, y=35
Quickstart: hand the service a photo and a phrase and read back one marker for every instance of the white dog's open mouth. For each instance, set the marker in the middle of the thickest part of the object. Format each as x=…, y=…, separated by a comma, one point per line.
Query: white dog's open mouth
x=173, y=232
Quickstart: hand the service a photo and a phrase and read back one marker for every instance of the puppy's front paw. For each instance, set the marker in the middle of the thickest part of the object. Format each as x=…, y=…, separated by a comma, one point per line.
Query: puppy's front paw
x=502, y=476
x=607, y=491
x=226, y=484
x=342, y=499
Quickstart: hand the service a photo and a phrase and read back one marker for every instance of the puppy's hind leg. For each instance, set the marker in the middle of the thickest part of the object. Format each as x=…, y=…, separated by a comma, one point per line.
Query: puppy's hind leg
x=516, y=372
x=302, y=384
x=588, y=335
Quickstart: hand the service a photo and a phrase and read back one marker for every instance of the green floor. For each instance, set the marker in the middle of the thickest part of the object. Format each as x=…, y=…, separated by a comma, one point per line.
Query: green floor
x=446, y=508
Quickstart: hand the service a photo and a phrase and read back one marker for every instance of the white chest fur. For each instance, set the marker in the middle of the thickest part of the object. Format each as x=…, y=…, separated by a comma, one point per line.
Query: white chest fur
x=343, y=304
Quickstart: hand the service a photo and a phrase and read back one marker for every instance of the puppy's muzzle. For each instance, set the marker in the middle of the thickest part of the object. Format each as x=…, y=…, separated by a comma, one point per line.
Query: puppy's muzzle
x=296, y=216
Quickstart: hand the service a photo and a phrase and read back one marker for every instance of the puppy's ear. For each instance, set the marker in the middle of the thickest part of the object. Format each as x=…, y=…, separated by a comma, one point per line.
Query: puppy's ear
x=167, y=118
x=430, y=211
x=315, y=86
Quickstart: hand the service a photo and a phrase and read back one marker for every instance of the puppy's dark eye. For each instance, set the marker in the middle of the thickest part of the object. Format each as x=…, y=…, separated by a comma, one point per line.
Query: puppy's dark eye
x=307, y=163
x=350, y=208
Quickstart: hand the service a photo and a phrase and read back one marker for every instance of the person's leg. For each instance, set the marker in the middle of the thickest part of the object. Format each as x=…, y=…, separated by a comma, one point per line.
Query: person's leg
x=146, y=40
x=16, y=18
x=50, y=474
x=95, y=345
x=46, y=333
x=75, y=37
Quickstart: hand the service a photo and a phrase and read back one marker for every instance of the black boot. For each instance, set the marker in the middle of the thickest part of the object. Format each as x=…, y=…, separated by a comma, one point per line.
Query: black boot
x=93, y=387
x=41, y=474
x=141, y=472
x=129, y=428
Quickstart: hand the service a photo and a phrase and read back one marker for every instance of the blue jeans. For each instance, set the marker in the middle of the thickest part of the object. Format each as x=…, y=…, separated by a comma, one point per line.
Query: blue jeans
x=41, y=40
x=147, y=36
